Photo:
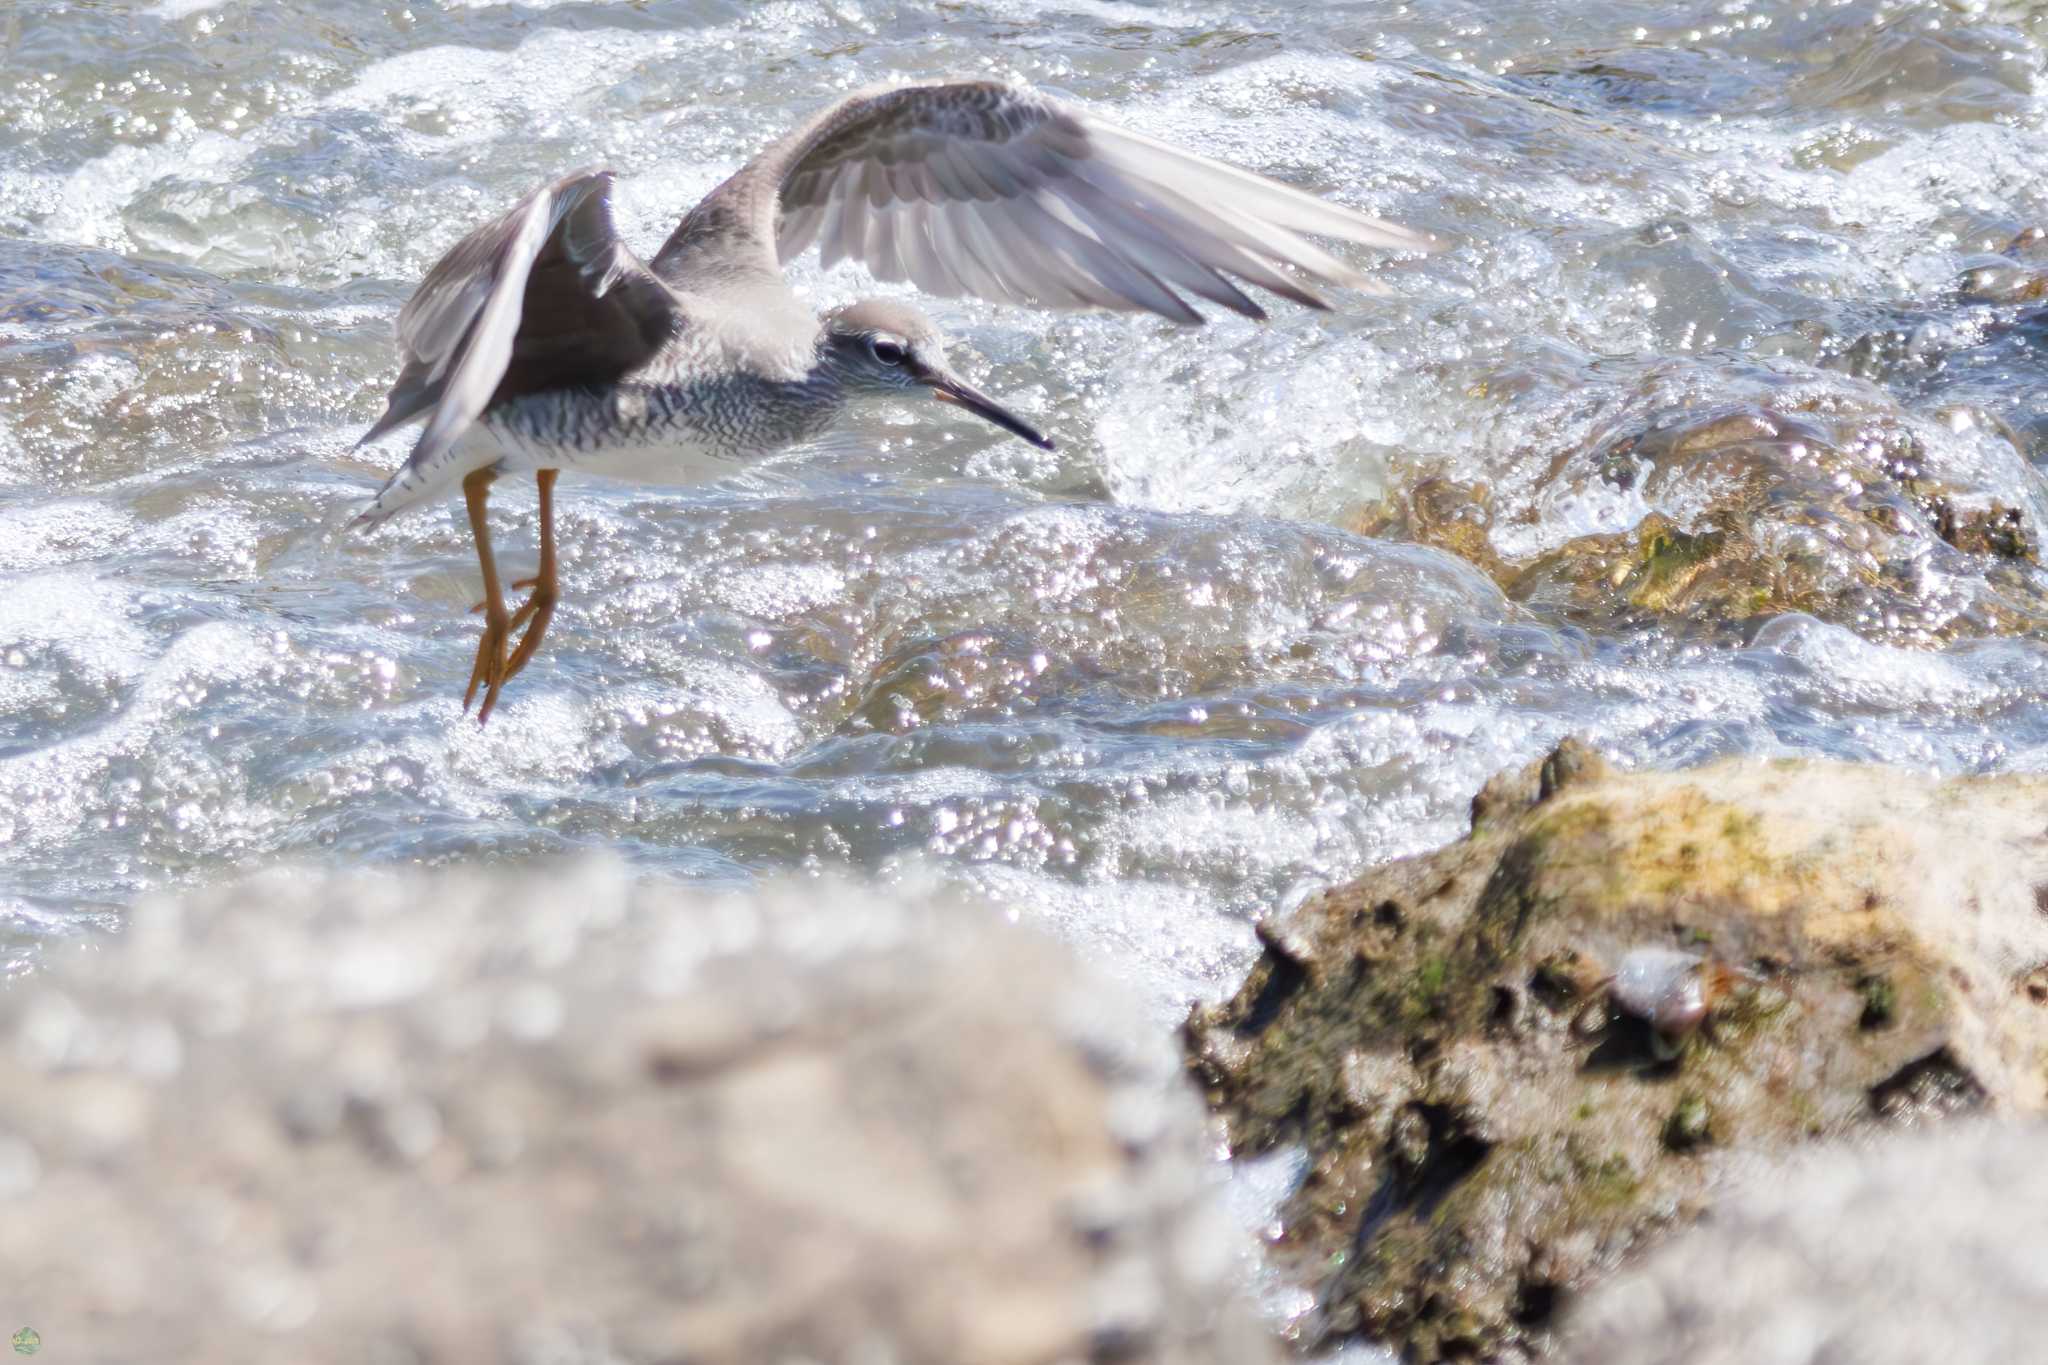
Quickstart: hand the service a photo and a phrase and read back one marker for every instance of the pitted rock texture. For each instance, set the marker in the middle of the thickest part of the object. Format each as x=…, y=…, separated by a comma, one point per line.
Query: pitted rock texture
x=1919, y=1250
x=563, y=1117
x=1517, y=1061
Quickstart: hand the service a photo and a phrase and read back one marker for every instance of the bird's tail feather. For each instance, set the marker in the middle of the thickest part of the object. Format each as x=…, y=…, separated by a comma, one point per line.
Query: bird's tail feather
x=404, y=490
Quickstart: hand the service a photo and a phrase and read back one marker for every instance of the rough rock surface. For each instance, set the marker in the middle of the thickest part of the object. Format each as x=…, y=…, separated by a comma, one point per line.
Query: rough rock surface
x=562, y=1118
x=1924, y=1250
x=1517, y=1060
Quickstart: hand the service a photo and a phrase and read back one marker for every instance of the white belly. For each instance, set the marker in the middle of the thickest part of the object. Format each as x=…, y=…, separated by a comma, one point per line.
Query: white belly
x=676, y=463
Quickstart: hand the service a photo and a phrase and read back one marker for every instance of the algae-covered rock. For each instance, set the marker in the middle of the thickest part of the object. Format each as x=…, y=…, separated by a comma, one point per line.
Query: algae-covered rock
x=572, y=1118
x=1517, y=1060
x=1831, y=512
x=1440, y=512
x=1924, y=1250
x=1706, y=506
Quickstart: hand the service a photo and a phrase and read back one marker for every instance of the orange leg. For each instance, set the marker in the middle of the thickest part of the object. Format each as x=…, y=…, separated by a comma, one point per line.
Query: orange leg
x=489, y=670
x=540, y=607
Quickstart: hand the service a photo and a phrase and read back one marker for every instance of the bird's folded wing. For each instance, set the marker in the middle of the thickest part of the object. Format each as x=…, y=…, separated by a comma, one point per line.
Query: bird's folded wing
x=993, y=190
x=546, y=296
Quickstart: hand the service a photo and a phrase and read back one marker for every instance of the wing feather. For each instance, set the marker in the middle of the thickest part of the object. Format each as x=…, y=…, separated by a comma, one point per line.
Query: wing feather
x=996, y=190
x=545, y=296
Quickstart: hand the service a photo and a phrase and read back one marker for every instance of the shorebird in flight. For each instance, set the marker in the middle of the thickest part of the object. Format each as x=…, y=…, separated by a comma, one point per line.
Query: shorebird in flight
x=540, y=342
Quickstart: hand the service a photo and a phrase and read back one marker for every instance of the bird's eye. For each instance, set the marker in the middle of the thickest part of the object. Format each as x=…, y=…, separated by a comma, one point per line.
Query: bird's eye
x=888, y=352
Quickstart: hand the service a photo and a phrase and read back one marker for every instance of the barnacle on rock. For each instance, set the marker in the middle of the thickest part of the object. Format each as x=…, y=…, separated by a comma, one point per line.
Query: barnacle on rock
x=1672, y=991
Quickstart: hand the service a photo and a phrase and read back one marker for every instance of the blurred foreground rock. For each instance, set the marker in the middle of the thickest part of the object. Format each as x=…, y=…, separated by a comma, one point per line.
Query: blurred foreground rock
x=1518, y=1060
x=564, y=1118
x=1922, y=1251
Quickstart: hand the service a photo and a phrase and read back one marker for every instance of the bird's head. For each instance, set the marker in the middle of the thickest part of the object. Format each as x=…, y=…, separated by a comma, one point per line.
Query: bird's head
x=880, y=346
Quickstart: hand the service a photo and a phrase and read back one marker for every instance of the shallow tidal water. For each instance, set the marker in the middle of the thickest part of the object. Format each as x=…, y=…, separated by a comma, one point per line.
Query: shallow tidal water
x=1753, y=277
x=1714, y=430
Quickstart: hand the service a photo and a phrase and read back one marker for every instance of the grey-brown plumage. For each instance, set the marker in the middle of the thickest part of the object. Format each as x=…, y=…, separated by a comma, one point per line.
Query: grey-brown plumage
x=541, y=342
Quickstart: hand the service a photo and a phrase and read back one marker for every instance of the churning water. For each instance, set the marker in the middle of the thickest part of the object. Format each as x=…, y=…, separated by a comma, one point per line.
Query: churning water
x=1714, y=430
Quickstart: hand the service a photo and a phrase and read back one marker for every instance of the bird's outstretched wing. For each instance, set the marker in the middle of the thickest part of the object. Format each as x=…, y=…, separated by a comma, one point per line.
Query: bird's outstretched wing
x=988, y=189
x=544, y=297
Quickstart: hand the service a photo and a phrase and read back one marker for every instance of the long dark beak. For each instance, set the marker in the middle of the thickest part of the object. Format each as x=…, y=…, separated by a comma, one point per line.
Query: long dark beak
x=952, y=389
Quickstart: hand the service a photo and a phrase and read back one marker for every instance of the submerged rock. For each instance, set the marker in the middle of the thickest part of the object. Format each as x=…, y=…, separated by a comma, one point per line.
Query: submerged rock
x=1518, y=1060
x=566, y=1118
x=1712, y=510
x=1928, y=1249
x=1841, y=512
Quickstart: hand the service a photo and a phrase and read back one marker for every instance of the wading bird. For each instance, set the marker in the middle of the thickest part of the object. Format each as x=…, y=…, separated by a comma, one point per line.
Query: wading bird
x=540, y=342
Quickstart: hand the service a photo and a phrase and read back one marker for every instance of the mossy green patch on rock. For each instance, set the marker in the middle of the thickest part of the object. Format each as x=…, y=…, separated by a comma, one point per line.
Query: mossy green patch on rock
x=1691, y=1124
x=1492, y=1121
